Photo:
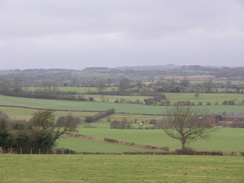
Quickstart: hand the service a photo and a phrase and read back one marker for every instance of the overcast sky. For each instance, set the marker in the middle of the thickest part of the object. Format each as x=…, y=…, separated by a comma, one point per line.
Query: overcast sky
x=75, y=34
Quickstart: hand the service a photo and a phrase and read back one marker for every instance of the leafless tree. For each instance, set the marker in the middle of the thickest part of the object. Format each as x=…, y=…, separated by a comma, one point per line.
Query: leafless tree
x=187, y=124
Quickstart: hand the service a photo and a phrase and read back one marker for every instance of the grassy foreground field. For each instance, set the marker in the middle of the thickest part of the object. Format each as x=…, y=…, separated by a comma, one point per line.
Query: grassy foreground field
x=121, y=168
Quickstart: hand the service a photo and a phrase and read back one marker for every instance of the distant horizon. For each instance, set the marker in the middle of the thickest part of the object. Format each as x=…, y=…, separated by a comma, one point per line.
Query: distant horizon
x=214, y=66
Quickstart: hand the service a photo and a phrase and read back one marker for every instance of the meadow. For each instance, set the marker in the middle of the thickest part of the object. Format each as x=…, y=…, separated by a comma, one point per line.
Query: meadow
x=121, y=168
x=99, y=106
x=84, y=145
x=213, y=98
x=25, y=113
x=223, y=139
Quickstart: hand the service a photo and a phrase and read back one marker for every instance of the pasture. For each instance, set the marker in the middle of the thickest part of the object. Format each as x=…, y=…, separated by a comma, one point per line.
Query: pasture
x=121, y=168
x=224, y=139
x=26, y=114
x=213, y=98
x=99, y=106
x=84, y=145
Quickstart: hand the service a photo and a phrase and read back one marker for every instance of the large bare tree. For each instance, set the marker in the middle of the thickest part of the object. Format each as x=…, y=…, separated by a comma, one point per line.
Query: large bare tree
x=187, y=124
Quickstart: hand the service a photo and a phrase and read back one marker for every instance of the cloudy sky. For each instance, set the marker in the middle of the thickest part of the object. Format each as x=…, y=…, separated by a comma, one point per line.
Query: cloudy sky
x=75, y=34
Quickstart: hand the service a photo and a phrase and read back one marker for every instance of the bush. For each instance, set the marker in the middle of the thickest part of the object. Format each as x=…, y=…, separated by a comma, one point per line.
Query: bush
x=124, y=124
x=90, y=119
x=184, y=103
x=65, y=151
x=231, y=102
x=224, y=103
x=199, y=103
x=186, y=151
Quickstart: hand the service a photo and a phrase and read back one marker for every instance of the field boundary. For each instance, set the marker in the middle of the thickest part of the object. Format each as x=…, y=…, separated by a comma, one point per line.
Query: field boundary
x=35, y=108
x=12, y=106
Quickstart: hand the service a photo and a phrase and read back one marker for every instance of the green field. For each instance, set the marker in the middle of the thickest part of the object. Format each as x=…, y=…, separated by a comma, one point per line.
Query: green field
x=224, y=139
x=173, y=97
x=82, y=145
x=121, y=168
x=73, y=89
x=26, y=114
x=213, y=98
x=205, y=97
x=98, y=106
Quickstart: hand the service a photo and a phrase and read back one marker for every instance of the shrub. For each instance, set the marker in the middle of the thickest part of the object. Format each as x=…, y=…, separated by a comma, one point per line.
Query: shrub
x=231, y=102
x=167, y=102
x=199, y=103
x=89, y=119
x=99, y=115
x=124, y=124
x=185, y=151
x=224, y=103
x=65, y=151
x=91, y=99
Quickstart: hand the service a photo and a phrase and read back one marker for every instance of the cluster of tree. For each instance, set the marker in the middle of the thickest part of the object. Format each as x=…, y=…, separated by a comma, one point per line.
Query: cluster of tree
x=89, y=76
x=90, y=119
x=156, y=98
x=123, y=124
x=38, y=135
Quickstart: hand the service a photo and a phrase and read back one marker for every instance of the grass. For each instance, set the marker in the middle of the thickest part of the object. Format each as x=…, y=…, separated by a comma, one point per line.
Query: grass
x=73, y=89
x=224, y=139
x=120, y=168
x=213, y=98
x=26, y=114
x=173, y=97
x=97, y=106
x=205, y=97
x=82, y=145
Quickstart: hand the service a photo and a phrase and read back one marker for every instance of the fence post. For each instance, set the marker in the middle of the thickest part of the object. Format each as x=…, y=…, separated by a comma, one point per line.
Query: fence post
x=20, y=150
x=62, y=151
x=31, y=151
x=39, y=151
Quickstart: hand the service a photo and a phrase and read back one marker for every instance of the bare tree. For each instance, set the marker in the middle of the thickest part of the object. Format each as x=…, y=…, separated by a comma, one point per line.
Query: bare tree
x=187, y=124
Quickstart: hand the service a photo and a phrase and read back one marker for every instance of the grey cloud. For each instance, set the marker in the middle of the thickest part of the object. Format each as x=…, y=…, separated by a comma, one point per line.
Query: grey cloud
x=71, y=33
